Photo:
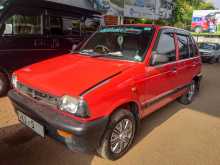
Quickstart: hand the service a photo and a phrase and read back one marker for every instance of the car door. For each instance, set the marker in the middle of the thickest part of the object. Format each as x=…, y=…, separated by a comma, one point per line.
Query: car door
x=161, y=73
x=188, y=59
x=185, y=62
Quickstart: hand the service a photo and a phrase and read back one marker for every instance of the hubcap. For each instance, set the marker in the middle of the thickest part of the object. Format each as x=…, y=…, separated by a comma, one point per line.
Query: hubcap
x=191, y=91
x=1, y=85
x=121, y=136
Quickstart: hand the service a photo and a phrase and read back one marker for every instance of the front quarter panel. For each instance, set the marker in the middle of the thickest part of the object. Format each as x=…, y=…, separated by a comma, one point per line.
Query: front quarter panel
x=105, y=99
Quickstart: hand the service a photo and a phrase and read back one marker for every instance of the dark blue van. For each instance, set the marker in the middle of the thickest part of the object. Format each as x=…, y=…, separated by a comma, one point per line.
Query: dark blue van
x=35, y=30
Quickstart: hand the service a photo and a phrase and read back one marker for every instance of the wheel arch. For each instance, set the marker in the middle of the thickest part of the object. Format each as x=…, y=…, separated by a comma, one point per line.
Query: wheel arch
x=131, y=106
x=197, y=79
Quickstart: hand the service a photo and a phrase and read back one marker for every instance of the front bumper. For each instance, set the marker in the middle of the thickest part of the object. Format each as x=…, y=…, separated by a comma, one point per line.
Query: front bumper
x=86, y=136
x=207, y=58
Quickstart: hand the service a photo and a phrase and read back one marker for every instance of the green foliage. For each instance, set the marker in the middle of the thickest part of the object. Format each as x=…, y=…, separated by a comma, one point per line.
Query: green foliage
x=184, y=10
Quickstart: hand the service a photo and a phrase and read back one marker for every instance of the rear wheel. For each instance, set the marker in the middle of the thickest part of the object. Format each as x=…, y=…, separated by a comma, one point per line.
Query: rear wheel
x=189, y=96
x=4, y=84
x=119, y=136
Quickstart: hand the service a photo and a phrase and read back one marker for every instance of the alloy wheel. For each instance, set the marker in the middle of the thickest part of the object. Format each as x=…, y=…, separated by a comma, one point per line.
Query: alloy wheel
x=191, y=92
x=1, y=84
x=121, y=136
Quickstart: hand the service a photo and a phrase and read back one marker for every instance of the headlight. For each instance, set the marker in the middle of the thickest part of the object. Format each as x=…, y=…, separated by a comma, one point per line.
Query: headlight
x=14, y=81
x=74, y=105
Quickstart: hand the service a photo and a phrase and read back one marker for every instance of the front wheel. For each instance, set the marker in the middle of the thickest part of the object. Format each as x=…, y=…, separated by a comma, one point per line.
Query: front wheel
x=188, y=97
x=212, y=60
x=119, y=135
x=4, y=84
x=198, y=29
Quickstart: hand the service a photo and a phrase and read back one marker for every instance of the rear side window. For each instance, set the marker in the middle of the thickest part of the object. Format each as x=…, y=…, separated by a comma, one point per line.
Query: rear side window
x=192, y=47
x=183, y=46
x=165, y=50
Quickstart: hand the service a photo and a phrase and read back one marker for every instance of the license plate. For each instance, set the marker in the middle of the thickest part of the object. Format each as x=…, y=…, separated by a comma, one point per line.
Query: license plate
x=35, y=126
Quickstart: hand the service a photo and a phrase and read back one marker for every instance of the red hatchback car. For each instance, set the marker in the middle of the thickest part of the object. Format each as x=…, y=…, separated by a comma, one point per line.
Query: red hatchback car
x=93, y=99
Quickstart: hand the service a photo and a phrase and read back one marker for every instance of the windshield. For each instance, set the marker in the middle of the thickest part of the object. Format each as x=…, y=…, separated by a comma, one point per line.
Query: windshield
x=206, y=46
x=121, y=42
x=2, y=4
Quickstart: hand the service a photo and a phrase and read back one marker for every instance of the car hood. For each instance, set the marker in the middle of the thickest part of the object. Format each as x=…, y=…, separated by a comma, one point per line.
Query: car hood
x=70, y=74
x=205, y=52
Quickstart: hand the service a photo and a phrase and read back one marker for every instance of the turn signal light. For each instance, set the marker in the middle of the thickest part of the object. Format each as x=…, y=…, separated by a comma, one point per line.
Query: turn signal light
x=64, y=133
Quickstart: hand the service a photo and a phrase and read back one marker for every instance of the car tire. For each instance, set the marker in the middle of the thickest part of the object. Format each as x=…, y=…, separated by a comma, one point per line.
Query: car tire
x=119, y=136
x=212, y=60
x=198, y=29
x=191, y=92
x=4, y=84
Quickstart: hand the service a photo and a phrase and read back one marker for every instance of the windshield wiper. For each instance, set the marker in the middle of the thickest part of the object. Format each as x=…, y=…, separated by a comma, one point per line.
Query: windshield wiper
x=99, y=55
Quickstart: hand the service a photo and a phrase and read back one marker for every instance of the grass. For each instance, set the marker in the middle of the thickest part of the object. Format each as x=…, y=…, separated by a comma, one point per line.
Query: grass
x=206, y=34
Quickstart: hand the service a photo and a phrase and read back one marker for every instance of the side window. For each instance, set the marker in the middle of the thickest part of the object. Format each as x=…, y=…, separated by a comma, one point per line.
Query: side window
x=165, y=50
x=53, y=25
x=192, y=48
x=71, y=26
x=183, y=46
x=21, y=24
x=62, y=26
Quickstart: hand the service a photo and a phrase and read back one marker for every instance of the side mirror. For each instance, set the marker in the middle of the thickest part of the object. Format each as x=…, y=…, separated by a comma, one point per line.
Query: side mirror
x=159, y=59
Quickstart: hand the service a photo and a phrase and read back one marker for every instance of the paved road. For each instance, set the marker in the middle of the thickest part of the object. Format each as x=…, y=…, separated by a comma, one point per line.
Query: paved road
x=174, y=135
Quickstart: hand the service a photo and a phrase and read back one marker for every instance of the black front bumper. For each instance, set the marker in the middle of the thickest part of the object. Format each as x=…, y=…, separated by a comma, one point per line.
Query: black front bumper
x=86, y=136
x=207, y=58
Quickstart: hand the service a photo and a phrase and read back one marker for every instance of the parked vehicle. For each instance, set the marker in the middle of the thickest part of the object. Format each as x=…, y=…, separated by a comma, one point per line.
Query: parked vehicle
x=210, y=52
x=32, y=31
x=92, y=100
x=200, y=24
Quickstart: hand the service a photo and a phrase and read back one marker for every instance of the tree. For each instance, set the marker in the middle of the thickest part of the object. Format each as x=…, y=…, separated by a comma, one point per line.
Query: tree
x=182, y=14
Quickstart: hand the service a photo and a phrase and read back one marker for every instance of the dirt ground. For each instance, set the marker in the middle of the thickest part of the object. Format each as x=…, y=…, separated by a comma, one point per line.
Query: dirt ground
x=174, y=135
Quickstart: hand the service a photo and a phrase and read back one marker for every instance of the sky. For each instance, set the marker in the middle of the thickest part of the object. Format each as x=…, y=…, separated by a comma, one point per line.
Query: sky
x=216, y=3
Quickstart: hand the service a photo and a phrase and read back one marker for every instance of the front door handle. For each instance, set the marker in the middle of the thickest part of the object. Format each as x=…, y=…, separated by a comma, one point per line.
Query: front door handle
x=174, y=69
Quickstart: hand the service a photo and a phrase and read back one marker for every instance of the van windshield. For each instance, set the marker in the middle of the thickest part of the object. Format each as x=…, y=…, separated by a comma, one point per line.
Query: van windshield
x=2, y=5
x=207, y=46
x=121, y=42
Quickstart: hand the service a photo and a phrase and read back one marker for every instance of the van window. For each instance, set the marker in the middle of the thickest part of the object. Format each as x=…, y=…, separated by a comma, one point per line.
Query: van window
x=165, y=50
x=183, y=46
x=53, y=25
x=71, y=26
x=62, y=26
x=20, y=24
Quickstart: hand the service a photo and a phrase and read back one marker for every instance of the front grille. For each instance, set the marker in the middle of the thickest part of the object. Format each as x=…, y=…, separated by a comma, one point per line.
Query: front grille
x=37, y=95
x=204, y=53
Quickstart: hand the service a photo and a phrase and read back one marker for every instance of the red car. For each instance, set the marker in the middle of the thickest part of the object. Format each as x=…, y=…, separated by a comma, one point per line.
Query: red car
x=93, y=99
